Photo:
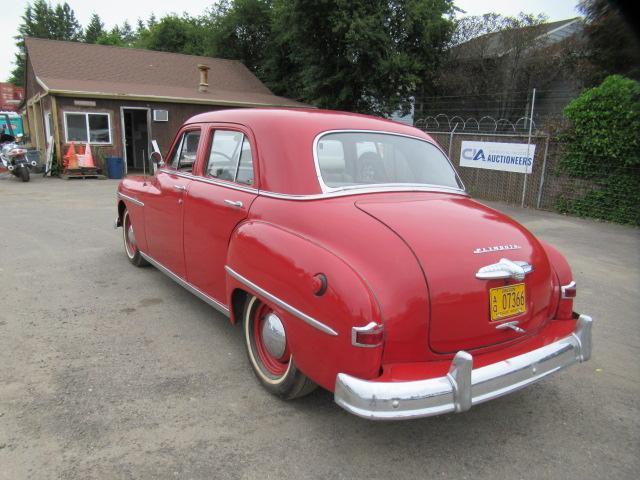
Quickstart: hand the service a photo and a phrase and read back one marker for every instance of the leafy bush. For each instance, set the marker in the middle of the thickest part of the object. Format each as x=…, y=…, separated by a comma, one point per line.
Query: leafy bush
x=603, y=145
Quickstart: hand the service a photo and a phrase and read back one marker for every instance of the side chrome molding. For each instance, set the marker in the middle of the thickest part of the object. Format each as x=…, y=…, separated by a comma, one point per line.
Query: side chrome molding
x=135, y=201
x=282, y=304
x=183, y=283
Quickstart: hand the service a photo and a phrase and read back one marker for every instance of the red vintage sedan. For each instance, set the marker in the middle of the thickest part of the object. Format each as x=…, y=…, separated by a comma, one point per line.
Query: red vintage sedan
x=349, y=251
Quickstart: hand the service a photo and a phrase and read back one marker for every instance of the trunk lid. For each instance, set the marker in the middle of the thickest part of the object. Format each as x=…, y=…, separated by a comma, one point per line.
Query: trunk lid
x=452, y=237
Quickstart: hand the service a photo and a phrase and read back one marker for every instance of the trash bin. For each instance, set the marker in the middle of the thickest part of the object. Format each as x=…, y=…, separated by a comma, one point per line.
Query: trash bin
x=115, y=167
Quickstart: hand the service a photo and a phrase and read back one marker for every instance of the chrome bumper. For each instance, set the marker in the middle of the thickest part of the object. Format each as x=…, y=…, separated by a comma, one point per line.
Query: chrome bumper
x=463, y=386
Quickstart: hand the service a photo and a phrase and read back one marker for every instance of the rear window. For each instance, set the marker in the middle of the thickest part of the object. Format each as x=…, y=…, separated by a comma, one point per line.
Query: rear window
x=357, y=159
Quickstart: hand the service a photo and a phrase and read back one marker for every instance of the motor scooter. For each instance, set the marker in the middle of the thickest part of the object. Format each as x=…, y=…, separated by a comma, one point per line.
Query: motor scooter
x=12, y=156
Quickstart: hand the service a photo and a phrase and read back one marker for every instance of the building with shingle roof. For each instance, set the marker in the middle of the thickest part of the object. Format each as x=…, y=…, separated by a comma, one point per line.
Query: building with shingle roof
x=119, y=99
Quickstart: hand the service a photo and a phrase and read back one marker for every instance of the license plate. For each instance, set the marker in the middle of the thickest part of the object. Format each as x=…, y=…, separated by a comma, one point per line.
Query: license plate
x=507, y=301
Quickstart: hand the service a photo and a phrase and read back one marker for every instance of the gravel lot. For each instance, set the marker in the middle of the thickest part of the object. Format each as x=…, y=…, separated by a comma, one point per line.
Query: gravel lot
x=109, y=371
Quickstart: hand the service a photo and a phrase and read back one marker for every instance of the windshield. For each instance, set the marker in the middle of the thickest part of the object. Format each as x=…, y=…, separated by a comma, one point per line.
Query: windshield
x=356, y=159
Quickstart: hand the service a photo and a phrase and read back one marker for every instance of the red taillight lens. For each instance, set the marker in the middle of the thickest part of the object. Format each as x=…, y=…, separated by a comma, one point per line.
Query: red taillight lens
x=371, y=335
x=568, y=291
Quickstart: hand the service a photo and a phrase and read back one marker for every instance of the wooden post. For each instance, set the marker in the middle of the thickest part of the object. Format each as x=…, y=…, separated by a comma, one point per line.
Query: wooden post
x=56, y=131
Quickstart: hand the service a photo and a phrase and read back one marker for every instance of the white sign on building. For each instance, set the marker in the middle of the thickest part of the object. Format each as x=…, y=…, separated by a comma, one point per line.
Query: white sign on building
x=508, y=157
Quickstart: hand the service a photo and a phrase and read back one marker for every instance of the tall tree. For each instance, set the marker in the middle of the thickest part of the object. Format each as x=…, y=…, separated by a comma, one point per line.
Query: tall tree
x=176, y=34
x=65, y=24
x=41, y=20
x=242, y=31
x=94, y=29
x=360, y=55
x=614, y=48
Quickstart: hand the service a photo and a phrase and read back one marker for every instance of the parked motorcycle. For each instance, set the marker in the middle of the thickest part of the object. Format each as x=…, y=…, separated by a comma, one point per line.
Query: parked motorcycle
x=12, y=156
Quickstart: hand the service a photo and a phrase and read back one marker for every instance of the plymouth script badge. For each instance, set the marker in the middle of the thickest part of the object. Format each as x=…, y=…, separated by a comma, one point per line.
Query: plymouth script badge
x=497, y=248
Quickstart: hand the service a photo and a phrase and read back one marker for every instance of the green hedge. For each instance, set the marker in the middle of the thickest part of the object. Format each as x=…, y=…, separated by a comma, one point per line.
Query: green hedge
x=603, y=145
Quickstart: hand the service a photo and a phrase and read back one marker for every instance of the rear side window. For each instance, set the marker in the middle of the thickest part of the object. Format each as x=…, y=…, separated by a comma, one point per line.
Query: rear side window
x=230, y=157
x=184, y=155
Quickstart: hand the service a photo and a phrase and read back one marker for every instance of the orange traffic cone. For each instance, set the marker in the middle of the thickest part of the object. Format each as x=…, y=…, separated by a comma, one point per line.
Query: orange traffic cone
x=88, y=158
x=71, y=158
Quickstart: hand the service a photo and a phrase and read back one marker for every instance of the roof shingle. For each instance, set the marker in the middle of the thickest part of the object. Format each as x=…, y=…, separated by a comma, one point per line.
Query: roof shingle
x=102, y=70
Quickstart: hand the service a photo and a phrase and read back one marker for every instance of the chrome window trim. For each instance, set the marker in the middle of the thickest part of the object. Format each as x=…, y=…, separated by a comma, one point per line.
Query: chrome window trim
x=188, y=286
x=406, y=188
x=281, y=303
x=327, y=189
x=135, y=201
x=211, y=180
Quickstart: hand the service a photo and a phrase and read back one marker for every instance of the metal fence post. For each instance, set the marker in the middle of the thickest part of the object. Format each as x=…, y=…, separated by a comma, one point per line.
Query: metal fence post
x=542, y=174
x=524, y=183
x=451, y=140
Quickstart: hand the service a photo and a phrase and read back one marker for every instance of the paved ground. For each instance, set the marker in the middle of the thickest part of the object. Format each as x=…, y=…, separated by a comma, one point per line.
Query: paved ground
x=109, y=371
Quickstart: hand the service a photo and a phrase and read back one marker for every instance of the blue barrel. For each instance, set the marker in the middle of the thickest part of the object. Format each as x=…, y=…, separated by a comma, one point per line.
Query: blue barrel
x=115, y=167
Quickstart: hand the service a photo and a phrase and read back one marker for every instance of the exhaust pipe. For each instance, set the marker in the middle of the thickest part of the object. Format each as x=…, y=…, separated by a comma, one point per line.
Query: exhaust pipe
x=11, y=167
x=33, y=163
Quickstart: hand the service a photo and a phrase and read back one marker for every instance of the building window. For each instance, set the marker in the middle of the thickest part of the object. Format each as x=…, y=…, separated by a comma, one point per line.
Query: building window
x=87, y=127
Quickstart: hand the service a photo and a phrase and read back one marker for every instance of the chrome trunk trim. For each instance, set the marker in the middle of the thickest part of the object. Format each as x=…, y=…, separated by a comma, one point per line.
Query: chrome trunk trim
x=281, y=303
x=183, y=283
x=505, y=268
x=463, y=386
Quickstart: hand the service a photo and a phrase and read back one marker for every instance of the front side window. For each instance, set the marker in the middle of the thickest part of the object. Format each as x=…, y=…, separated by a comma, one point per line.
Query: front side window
x=360, y=159
x=230, y=157
x=87, y=127
x=185, y=153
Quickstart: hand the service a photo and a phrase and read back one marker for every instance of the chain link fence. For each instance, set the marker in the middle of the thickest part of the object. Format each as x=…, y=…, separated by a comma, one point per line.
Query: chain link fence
x=612, y=195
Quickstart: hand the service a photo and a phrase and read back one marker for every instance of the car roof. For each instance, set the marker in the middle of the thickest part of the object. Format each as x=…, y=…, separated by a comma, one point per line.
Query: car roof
x=284, y=140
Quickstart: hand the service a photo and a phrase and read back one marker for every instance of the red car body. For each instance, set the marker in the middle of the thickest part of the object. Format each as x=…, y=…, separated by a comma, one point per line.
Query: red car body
x=402, y=325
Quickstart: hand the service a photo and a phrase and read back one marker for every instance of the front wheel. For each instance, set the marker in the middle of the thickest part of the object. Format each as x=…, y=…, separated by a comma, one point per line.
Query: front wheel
x=129, y=238
x=269, y=354
x=24, y=174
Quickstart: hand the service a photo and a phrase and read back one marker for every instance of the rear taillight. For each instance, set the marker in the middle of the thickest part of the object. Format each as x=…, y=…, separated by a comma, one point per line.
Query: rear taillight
x=371, y=335
x=565, y=305
x=568, y=291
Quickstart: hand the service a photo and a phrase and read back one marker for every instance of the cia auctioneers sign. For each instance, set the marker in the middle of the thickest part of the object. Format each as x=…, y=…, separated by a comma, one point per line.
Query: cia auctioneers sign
x=508, y=157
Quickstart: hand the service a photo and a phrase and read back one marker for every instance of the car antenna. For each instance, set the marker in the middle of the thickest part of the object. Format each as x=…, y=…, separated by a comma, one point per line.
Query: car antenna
x=144, y=167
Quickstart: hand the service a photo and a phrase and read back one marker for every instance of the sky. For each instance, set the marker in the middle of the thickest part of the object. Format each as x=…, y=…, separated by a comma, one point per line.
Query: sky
x=116, y=11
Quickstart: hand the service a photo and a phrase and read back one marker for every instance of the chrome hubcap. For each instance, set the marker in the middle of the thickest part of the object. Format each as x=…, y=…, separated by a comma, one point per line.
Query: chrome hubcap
x=131, y=236
x=273, y=335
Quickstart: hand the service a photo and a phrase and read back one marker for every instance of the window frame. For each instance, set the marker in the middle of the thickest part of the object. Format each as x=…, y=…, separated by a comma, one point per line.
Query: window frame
x=326, y=189
x=207, y=157
x=176, y=147
x=88, y=130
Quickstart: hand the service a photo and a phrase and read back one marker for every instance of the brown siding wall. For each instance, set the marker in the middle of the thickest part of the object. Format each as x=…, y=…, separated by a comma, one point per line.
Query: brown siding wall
x=163, y=132
x=32, y=87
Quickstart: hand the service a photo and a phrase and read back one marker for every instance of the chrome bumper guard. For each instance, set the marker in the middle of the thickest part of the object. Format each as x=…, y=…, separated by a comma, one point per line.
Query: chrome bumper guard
x=463, y=386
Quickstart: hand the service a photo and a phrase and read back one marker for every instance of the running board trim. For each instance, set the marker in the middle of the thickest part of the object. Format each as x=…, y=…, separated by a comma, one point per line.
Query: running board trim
x=183, y=283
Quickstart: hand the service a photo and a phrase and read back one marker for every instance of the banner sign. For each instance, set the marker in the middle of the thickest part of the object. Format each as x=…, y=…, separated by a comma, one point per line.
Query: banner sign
x=508, y=157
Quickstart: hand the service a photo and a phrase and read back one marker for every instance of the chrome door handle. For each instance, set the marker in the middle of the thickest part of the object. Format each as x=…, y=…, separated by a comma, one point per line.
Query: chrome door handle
x=180, y=187
x=233, y=203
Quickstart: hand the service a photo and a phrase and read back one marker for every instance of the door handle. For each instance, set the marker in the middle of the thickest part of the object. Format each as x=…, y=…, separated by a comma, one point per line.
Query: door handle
x=182, y=188
x=234, y=203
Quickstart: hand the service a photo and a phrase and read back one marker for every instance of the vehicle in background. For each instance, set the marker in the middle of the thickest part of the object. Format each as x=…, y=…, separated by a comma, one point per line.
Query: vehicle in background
x=13, y=156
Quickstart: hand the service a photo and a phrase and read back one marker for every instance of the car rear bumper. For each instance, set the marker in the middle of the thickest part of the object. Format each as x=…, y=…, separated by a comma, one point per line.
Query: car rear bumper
x=463, y=386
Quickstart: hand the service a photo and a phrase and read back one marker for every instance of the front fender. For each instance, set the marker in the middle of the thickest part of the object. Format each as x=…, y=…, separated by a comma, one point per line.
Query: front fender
x=284, y=263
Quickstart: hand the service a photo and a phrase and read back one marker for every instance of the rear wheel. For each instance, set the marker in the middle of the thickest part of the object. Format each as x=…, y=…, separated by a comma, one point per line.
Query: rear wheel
x=129, y=238
x=269, y=354
x=24, y=174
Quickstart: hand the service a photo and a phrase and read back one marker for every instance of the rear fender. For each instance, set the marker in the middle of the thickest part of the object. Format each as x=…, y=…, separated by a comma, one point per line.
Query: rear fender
x=284, y=264
x=565, y=276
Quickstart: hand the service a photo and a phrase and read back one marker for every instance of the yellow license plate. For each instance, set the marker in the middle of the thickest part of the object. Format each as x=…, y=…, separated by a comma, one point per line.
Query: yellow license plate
x=507, y=301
